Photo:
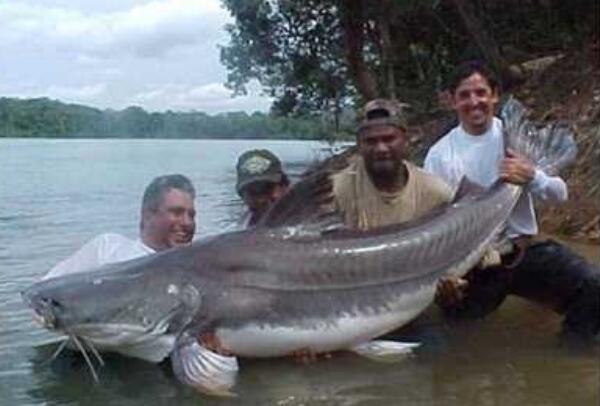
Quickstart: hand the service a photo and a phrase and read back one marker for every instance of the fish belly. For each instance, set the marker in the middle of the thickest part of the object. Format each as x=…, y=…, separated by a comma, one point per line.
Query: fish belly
x=325, y=334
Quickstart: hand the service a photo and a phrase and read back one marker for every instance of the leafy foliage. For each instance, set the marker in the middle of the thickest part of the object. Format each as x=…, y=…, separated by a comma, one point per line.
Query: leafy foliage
x=321, y=55
x=48, y=118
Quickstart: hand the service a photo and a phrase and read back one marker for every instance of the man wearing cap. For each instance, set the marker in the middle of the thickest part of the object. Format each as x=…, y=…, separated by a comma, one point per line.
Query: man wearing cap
x=260, y=182
x=380, y=187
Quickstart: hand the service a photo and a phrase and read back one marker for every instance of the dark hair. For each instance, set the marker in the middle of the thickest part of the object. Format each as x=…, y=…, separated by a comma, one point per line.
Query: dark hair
x=468, y=68
x=160, y=185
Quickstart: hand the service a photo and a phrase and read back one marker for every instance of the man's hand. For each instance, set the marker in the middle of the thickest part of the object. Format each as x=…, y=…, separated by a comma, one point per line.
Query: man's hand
x=516, y=169
x=450, y=291
x=491, y=257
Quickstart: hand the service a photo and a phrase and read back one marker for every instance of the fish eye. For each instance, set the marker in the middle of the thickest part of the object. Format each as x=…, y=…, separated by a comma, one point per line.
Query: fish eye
x=55, y=303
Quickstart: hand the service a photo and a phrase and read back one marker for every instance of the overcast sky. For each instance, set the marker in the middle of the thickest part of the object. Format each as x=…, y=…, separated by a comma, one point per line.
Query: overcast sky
x=160, y=54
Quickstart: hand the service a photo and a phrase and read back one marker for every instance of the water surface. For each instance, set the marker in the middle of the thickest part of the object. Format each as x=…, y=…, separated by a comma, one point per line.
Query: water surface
x=57, y=194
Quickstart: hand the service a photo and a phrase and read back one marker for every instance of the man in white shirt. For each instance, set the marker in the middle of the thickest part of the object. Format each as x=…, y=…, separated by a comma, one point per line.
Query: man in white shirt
x=545, y=272
x=167, y=220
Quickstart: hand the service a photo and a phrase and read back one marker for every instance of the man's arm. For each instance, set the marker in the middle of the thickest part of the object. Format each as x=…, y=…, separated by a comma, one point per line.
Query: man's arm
x=519, y=170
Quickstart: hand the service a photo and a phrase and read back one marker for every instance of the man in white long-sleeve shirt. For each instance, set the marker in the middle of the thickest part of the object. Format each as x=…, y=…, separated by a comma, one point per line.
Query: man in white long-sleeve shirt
x=545, y=272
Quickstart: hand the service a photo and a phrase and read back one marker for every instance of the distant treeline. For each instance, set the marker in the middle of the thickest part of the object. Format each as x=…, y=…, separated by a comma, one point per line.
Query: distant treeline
x=43, y=117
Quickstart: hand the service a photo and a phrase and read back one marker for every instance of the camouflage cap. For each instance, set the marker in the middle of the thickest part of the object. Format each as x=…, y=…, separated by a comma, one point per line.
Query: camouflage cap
x=382, y=112
x=258, y=165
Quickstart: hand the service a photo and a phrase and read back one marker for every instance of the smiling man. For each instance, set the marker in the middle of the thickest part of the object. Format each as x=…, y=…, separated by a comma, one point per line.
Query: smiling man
x=543, y=271
x=167, y=221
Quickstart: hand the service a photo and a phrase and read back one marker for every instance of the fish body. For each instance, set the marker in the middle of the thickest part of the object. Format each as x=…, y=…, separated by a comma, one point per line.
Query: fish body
x=271, y=291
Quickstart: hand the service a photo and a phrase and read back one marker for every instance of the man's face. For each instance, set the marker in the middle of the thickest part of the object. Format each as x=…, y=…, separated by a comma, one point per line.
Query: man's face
x=382, y=148
x=474, y=101
x=259, y=196
x=173, y=223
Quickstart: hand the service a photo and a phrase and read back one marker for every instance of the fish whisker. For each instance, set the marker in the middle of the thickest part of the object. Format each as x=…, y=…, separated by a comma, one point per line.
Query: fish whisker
x=94, y=351
x=86, y=357
x=58, y=350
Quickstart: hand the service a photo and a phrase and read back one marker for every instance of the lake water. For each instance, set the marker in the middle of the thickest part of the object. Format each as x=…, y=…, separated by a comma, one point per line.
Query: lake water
x=57, y=194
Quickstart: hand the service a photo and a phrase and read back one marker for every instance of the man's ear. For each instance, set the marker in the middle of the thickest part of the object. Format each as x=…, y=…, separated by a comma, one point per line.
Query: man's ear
x=495, y=95
x=452, y=100
x=144, y=218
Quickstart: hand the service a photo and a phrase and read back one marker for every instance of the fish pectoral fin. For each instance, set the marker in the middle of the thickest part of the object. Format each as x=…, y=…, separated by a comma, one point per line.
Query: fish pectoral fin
x=204, y=370
x=384, y=350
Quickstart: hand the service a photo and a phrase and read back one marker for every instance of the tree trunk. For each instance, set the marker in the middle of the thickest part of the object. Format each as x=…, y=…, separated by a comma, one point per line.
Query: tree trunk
x=486, y=44
x=387, y=53
x=353, y=29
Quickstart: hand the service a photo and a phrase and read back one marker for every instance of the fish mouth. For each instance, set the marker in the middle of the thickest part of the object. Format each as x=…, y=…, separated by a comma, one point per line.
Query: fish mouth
x=39, y=319
x=45, y=317
x=41, y=310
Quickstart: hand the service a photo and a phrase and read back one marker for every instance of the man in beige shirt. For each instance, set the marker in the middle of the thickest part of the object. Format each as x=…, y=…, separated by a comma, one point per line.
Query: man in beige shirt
x=380, y=187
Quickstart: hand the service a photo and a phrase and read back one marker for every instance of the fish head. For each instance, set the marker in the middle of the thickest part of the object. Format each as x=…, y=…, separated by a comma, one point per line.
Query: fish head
x=128, y=299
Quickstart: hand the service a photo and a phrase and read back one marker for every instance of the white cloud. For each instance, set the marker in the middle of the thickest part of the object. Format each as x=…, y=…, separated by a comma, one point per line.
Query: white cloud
x=147, y=30
x=159, y=54
x=212, y=97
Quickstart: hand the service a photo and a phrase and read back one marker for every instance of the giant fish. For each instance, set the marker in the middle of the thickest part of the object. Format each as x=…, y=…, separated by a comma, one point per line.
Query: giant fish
x=298, y=281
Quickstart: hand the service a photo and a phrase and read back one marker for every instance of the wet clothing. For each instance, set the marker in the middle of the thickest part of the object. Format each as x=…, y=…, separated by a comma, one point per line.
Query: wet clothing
x=363, y=206
x=101, y=250
x=545, y=272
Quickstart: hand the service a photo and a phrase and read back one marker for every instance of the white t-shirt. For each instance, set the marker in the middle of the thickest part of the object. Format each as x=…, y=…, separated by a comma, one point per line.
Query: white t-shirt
x=101, y=250
x=478, y=157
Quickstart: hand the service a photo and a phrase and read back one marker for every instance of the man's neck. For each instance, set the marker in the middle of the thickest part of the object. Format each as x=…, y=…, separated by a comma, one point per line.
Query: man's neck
x=153, y=245
x=392, y=183
x=475, y=132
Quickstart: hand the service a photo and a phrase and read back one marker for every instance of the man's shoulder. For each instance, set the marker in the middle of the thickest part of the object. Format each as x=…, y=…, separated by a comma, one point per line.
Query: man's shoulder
x=429, y=181
x=113, y=247
x=344, y=177
x=110, y=238
x=444, y=141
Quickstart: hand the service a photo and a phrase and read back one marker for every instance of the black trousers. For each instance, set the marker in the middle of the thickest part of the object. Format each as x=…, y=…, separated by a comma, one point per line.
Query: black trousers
x=545, y=272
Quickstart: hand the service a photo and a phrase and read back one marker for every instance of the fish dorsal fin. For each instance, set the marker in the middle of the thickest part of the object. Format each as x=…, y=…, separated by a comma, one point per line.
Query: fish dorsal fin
x=467, y=187
x=309, y=202
x=309, y=206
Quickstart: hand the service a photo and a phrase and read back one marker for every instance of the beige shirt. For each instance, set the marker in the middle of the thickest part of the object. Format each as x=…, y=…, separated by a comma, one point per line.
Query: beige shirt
x=363, y=206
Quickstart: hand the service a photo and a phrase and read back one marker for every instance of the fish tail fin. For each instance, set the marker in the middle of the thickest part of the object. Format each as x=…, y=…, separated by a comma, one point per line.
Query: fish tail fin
x=551, y=148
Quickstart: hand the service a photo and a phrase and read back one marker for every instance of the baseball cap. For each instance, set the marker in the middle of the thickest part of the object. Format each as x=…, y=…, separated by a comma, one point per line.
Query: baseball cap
x=382, y=112
x=258, y=165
